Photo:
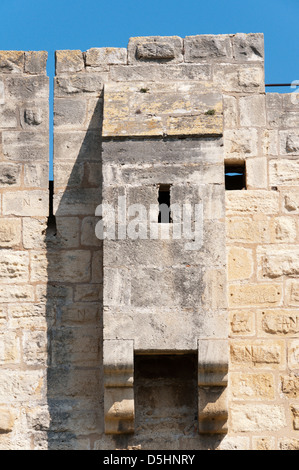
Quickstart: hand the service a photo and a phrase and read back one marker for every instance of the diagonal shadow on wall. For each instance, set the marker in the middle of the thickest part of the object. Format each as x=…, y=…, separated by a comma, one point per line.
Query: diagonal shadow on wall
x=74, y=291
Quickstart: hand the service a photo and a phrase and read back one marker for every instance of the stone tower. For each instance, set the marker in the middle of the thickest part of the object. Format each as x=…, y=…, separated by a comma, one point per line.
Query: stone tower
x=175, y=329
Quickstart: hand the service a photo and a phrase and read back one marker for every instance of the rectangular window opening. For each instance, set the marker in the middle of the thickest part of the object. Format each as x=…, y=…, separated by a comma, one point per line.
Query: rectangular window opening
x=164, y=204
x=166, y=396
x=235, y=176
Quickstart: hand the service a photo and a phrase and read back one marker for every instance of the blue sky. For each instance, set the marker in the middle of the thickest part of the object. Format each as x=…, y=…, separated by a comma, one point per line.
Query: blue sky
x=81, y=24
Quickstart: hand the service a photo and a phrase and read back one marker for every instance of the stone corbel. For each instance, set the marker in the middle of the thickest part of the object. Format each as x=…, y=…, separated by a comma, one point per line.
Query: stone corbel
x=212, y=386
x=118, y=383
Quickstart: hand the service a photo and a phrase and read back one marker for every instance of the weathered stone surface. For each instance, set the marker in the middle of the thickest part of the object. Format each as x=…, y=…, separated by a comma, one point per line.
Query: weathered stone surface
x=12, y=293
x=261, y=354
x=69, y=61
x=14, y=267
x=293, y=354
x=246, y=386
x=27, y=87
x=248, y=46
x=7, y=419
x=255, y=294
x=257, y=418
x=26, y=203
x=69, y=112
x=10, y=232
x=238, y=202
x=240, y=143
x=151, y=73
x=36, y=62
x=105, y=56
x=276, y=261
x=242, y=323
x=158, y=109
x=10, y=175
x=253, y=111
x=80, y=83
x=155, y=48
x=290, y=385
x=240, y=264
x=279, y=322
x=11, y=61
x=25, y=146
x=207, y=48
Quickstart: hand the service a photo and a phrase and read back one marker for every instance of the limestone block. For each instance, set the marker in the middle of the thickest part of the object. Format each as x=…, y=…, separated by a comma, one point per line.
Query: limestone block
x=214, y=295
x=165, y=329
x=239, y=78
x=276, y=261
x=158, y=109
x=29, y=316
x=289, y=444
x=10, y=352
x=293, y=354
x=280, y=322
x=283, y=230
x=66, y=383
x=242, y=323
x=12, y=293
x=117, y=288
x=283, y=172
x=247, y=230
x=25, y=146
x=150, y=72
x=207, y=48
x=292, y=292
x=263, y=443
x=8, y=116
x=35, y=348
x=63, y=266
x=34, y=232
x=252, y=111
x=98, y=56
x=18, y=386
x=248, y=47
x=36, y=175
x=156, y=48
x=230, y=112
x=257, y=201
x=34, y=117
x=260, y=353
x=290, y=385
x=7, y=419
x=26, y=203
x=14, y=267
x=249, y=386
x=68, y=175
x=36, y=62
x=27, y=87
x=11, y=61
x=255, y=294
x=10, y=175
x=240, y=143
x=289, y=142
x=69, y=61
x=77, y=146
x=257, y=418
x=240, y=263
x=270, y=142
x=295, y=412
x=69, y=112
x=80, y=83
x=88, y=293
x=84, y=312
x=72, y=202
x=75, y=346
x=257, y=173
x=88, y=236
x=67, y=232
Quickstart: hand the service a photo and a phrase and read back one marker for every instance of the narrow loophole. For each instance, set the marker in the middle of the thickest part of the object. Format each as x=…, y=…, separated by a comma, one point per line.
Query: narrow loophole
x=164, y=204
x=235, y=177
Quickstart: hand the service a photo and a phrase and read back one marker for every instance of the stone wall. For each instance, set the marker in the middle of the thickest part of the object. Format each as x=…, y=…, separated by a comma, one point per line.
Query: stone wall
x=129, y=119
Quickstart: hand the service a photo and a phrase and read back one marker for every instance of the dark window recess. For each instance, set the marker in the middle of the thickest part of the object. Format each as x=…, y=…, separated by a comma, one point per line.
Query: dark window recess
x=164, y=204
x=235, y=177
